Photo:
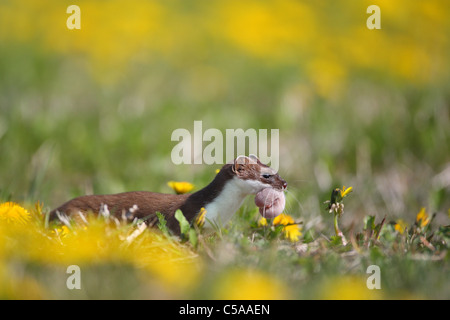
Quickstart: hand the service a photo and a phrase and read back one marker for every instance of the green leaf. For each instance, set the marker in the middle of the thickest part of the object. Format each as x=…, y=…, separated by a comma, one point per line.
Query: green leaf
x=309, y=236
x=336, y=240
x=379, y=228
x=184, y=224
x=162, y=223
x=369, y=223
x=193, y=237
x=276, y=231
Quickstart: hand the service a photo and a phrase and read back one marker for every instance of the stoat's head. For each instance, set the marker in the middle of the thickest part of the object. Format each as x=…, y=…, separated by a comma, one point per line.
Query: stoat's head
x=254, y=177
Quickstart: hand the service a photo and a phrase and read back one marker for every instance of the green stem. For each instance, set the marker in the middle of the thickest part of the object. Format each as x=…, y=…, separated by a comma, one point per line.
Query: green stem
x=339, y=232
x=336, y=227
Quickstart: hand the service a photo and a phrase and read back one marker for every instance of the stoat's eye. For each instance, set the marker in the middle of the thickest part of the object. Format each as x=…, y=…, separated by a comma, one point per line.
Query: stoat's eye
x=266, y=176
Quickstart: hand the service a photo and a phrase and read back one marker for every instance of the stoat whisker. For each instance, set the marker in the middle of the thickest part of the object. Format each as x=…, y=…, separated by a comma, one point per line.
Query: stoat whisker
x=296, y=199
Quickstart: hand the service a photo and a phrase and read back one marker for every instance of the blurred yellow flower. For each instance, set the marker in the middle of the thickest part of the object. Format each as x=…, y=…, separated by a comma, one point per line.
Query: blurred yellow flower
x=400, y=226
x=167, y=261
x=347, y=288
x=217, y=171
x=200, y=219
x=345, y=191
x=84, y=245
x=22, y=287
x=422, y=218
x=262, y=222
x=13, y=213
x=181, y=187
x=61, y=231
x=267, y=30
x=292, y=230
x=249, y=285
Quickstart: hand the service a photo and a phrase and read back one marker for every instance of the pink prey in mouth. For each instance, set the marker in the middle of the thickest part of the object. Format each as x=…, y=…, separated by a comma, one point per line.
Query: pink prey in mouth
x=271, y=202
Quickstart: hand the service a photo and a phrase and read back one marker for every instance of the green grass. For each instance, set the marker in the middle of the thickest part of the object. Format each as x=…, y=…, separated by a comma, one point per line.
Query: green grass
x=62, y=140
x=412, y=264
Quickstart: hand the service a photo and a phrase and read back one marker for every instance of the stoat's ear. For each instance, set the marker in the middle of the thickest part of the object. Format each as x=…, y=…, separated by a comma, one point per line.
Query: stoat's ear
x=254, y=158
x=242, y=161
x=239, y=163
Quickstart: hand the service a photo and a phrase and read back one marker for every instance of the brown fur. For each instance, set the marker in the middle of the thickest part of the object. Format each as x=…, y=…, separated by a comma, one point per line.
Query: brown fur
x=148, y=203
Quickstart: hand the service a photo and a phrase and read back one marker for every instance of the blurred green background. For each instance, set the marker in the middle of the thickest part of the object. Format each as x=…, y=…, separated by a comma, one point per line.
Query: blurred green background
x=92, y=110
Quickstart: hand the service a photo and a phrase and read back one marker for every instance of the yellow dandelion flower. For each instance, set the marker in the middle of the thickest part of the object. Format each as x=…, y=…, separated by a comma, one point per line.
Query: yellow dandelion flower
x=217, y=171
x=345, y=191
x=181, y=187
x=283, y=219
x=400, y=226
x=262, y=222
x=292, y=230
x=422, y=218
x=200, y=219
x=13, y=213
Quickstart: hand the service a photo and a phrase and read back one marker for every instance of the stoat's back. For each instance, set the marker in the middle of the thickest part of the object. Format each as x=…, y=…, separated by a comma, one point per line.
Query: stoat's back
x=137, y=204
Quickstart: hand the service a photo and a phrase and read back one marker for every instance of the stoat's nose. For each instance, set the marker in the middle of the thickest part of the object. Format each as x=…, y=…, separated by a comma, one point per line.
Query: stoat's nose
x=284, y=184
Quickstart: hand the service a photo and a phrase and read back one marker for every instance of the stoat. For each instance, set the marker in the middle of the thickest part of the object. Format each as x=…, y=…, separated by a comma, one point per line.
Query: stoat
x=221, y=198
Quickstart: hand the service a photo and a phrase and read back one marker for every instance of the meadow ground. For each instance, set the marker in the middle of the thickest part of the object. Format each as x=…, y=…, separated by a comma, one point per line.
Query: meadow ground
x=92, y=111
